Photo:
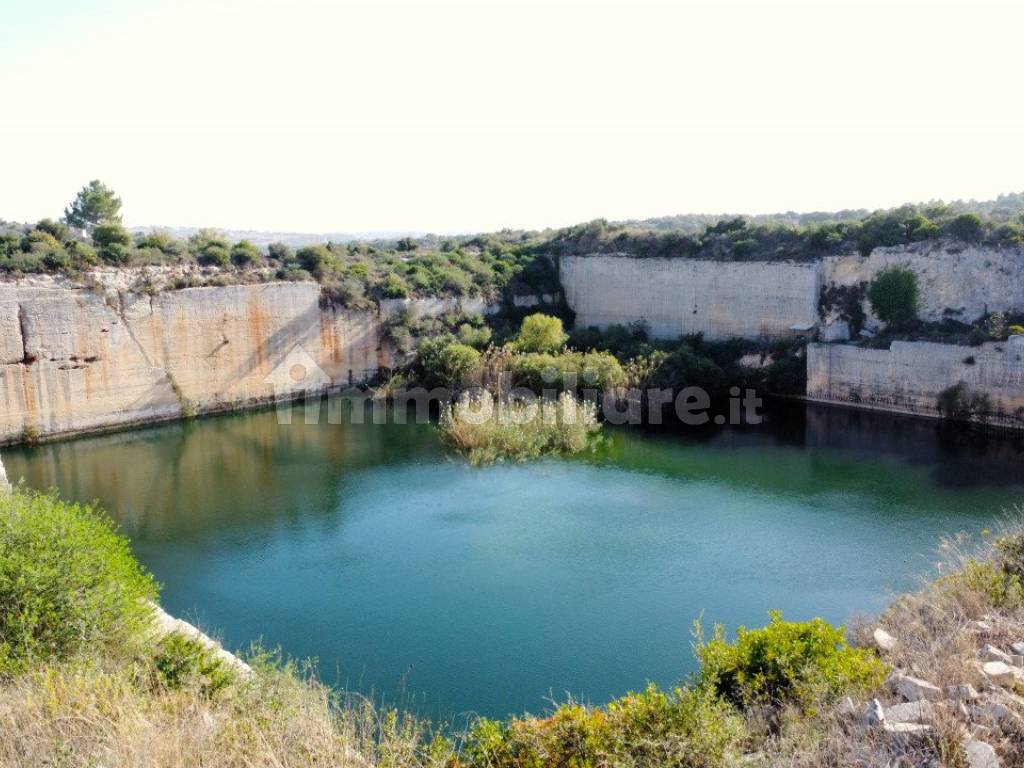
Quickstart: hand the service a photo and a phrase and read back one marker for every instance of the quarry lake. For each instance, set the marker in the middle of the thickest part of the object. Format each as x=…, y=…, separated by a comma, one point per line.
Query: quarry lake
x=412, y=576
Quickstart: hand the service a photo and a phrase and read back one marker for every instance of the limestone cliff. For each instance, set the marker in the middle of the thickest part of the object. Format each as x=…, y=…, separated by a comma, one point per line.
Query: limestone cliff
x=760, y=300
x=75, y=360
x=958, y=281
x=772, y=299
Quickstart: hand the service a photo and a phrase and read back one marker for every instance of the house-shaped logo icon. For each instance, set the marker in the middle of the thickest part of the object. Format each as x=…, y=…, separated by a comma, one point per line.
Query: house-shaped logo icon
x=297, y=372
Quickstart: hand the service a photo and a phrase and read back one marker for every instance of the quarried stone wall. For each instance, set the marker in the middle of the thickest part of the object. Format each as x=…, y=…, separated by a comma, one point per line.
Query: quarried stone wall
x=72, y=360
x=759, y=300
x=910, y=376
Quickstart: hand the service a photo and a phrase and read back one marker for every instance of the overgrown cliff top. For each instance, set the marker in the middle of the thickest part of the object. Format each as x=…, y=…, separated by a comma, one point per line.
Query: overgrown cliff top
x=358, y=273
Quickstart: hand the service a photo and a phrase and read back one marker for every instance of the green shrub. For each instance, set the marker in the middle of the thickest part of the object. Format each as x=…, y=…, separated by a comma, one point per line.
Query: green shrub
x=967, y=227
x=244, y=253
x=457, y=362
x=57, y=229
x=786, y=662
x=115, y=253
x=111, y=234
x=82, y=255
x=181, y=662
x=315, y=259
x=895, y=297
x=282, y=252
x=68, y=581
x=994, y=582
x=540, y=333
x=394, y=287
x=682, y=729
x=210, y=248
x=159, y=240
x=959, y=403
x=568, y=370
x=474, y=336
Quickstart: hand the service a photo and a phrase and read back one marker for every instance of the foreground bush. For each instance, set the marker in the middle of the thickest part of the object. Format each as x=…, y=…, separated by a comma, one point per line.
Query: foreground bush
x=787, y=663
x=68, y=581
x=486, y=432
x=683, y=729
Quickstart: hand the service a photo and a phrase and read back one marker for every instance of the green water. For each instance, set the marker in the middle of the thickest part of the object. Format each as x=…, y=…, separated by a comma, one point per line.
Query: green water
x=414, y=577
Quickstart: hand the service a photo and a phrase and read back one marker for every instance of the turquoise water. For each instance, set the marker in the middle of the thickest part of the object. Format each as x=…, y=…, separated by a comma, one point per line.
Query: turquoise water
x=416, y=578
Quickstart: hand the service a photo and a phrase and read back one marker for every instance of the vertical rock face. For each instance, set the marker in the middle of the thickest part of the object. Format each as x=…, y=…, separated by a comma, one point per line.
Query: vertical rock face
x=766, y=299
x=760, y=300
x=959, y=281
x=910, y=376
x=73, y=361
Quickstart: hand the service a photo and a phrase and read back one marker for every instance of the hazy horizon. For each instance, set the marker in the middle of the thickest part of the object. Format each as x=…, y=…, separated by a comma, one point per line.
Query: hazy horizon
x=455, y=117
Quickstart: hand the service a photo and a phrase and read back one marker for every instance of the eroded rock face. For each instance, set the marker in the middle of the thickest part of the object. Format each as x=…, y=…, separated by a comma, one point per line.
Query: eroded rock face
x=72, y=360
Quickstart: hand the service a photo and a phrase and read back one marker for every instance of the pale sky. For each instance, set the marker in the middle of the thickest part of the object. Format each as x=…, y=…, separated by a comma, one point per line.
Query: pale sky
x=353, y=116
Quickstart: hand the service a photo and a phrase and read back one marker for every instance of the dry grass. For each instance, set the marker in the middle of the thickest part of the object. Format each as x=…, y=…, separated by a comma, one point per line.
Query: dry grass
x=941, y=630
x=486, y=430
x=92, y=713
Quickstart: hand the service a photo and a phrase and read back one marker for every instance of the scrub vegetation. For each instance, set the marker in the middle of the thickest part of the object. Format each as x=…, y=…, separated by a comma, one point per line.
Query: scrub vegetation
x=85, y=683
x=486, y=430
x=493, y=265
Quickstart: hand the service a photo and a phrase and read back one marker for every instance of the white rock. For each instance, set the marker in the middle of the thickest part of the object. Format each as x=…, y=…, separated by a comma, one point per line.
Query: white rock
x=980, y=755
x=1017, y=648
x=884, y=640
x=874, y=714
x=1001, y=673
x=911, y=712
x=964, y=692
x=165, y=624
x=996, y=712
x=915, y=689
x=991, y=653
x=911, y=729
x=1017, y=660
x=980, y=626
x=847, y=707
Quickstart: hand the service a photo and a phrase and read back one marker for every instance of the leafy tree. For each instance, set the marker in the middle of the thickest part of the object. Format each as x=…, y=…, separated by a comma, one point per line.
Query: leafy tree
x=244, y=253
x=895, y=297
x=406, y=244
x=540, y=333
x=95, y=204
x=967, y=227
